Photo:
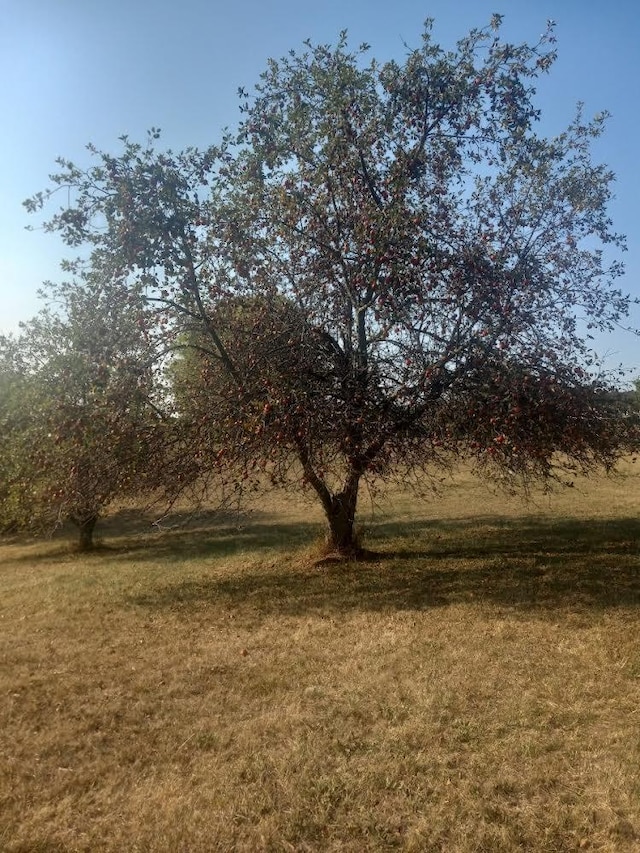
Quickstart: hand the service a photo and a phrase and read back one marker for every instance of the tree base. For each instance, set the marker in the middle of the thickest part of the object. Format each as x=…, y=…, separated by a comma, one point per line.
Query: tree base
x=357, y=555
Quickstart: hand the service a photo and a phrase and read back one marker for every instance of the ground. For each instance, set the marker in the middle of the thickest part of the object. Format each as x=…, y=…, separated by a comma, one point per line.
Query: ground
x=475, y=688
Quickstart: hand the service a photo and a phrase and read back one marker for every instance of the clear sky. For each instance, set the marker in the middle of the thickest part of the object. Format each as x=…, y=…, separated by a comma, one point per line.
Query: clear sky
x=79, y=71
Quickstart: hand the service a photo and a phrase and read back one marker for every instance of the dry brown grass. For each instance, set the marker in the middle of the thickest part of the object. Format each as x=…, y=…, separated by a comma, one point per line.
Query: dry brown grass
x=208, y=689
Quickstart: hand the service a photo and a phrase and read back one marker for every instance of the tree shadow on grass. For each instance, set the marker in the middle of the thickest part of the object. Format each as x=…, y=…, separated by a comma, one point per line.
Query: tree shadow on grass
x=216, y=535
x=490, y=535
x=130, y=535
x=525, y=564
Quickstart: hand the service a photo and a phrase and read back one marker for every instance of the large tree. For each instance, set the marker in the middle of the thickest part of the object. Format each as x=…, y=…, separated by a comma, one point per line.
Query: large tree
x=386, y=265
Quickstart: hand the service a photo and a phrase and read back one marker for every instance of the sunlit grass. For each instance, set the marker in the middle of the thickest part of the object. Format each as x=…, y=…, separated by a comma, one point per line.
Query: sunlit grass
x=477, y=687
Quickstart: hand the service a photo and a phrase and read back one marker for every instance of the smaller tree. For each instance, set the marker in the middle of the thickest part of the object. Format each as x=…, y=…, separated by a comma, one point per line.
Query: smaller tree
x=17, y=392
x=79, y=424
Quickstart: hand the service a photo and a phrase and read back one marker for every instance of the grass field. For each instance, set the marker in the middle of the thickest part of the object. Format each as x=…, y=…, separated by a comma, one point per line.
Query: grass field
x=211, y=688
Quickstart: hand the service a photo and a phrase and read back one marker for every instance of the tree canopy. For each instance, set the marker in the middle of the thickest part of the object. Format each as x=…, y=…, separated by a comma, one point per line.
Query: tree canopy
x=384, y=266
x=78, y=426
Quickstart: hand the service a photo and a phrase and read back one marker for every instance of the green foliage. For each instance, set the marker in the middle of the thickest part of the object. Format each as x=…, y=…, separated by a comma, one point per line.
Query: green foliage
x=78, y=427
x=17, y=398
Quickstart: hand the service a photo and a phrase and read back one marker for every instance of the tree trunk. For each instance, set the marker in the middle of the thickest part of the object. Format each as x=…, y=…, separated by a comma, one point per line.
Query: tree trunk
x=341, y=513
x=339, y=509
x=85, y=532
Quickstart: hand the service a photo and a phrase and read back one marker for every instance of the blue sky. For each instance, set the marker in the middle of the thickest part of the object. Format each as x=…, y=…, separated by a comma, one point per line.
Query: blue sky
x=79, y=71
